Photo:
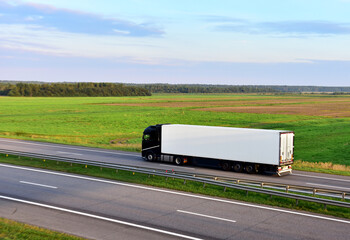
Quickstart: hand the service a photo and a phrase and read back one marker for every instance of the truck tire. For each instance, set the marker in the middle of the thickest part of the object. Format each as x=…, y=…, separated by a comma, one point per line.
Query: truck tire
x=250, y=168
x=150, y=156
x=226, y=166
x=178, y=160
x=237, y=167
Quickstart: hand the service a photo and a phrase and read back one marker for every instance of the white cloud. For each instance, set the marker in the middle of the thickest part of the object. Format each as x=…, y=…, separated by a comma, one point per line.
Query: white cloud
x=33, y=18
x=123, y=32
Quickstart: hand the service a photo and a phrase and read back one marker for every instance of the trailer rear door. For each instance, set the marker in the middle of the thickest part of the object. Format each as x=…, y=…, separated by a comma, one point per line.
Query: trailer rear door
x=287, y=148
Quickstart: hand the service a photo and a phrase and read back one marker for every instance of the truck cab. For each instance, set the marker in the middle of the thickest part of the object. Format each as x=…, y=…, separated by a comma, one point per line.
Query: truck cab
x=151, y=142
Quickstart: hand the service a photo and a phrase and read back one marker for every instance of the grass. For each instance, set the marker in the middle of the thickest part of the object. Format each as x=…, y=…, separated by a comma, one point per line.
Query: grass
x=14, y=230
x=88, y=122
x=323, y=167
x=178, y=184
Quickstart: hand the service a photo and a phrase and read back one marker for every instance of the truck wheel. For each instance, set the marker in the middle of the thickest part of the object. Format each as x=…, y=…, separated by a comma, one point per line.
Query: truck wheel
x=237, y=167
x=226, y=166
x=250, y=168
x=178, y=160
x=150, y=156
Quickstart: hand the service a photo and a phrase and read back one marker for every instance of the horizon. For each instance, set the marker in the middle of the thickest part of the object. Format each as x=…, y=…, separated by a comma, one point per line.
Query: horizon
x=291, y=43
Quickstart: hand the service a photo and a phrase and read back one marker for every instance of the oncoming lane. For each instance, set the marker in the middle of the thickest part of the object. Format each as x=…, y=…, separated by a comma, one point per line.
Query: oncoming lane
x=201, y=216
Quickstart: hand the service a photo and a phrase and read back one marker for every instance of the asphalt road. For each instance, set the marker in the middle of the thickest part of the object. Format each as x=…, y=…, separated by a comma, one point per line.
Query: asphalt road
x=309, y=179
x=103, y=209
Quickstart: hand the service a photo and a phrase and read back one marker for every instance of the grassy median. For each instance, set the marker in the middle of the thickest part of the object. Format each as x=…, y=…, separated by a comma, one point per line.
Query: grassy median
x=177, y=184
x=14, y=230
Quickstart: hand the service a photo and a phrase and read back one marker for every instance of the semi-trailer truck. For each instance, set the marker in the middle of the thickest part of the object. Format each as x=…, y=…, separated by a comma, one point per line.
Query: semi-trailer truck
x=237, y=149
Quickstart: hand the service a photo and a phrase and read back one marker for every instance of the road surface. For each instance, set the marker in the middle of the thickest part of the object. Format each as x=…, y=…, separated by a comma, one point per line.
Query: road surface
x=104, y=209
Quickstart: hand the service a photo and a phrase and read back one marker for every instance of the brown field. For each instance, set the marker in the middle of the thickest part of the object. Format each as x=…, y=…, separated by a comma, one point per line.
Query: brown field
x=312, y=106
x=328, y=109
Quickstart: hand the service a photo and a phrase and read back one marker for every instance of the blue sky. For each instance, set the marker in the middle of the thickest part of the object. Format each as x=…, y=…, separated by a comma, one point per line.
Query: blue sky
x=183, y=41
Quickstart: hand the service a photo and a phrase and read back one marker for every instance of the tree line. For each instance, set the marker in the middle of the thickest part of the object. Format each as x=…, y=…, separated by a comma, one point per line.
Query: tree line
x=205, y=88
x=71, y=90
x=199, y=88
x=36, y=89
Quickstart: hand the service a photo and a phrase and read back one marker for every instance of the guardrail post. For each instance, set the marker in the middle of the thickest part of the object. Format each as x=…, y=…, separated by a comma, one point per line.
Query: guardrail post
x=203, y=185
x=185, y=181
x=287, y=189
x=343, y=196
x=297, y=202
x=262, y=185
x=246, y=193
x=314, y=192
x=324, y=206
x=224, y=189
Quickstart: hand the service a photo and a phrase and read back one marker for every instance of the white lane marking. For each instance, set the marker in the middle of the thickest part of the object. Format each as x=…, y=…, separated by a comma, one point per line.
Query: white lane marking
x=330, y=186
x=177, y=193
x=72, y=148
x=310, y=176
x=98, y=217
x=207, y=216
x=69, y=153
x=171, y=166
x=37, y=184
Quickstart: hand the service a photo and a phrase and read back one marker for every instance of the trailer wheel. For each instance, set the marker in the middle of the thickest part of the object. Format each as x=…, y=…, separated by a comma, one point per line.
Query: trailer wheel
x=178, y=160
x=250, y=168
x=237, y=167
x=150, y=156
x=226, y=166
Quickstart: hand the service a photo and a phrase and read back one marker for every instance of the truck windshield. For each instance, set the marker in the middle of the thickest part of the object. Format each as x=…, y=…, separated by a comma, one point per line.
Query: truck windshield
x=146, y=137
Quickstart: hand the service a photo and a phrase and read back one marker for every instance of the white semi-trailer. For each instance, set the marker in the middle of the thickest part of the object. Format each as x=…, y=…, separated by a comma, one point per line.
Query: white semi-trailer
x=251, y=150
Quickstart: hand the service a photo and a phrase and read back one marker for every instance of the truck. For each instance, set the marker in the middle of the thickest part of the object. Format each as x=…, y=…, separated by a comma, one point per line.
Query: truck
x=237, y=149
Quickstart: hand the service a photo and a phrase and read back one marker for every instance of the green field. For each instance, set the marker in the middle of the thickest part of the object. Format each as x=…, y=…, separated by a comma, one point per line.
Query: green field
x=321, y=122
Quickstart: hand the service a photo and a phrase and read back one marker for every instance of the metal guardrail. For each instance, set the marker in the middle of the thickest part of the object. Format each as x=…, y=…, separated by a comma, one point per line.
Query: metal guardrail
x=241, y=184
x=282, y=187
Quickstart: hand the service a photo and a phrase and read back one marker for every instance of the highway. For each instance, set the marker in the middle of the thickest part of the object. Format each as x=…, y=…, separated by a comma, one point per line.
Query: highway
x=103, y=209
x=309, y=179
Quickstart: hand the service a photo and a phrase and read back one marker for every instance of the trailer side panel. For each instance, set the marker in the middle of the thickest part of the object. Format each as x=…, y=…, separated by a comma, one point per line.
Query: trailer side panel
x=232, y=144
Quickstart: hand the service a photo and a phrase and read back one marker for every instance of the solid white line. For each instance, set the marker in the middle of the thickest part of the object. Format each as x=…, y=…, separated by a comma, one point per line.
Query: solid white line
x=172, y=166
x=310, y=176
x=80, y=149
x=37, y=184
x=177, y=193
x=69, y=153
x=330, y=186
x=207, y=216
x=99, y=217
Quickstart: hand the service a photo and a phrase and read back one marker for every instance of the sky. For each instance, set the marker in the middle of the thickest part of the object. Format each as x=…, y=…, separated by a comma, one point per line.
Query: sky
x=252, y=42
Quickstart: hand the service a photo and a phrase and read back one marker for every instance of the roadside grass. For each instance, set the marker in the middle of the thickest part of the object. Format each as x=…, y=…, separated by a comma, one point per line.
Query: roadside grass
x=14, y=230
x=322, y=167
x=86, y=122
x=177, y=184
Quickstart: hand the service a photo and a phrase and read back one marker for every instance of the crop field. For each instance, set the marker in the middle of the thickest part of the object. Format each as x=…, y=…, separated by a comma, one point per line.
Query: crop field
x=321, y=122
